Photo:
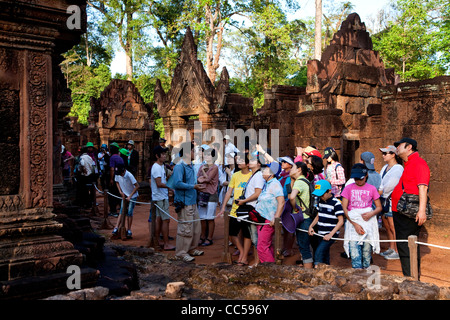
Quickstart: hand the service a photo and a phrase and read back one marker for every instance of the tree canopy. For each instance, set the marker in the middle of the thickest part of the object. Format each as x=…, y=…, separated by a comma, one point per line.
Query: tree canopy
x=261, y=42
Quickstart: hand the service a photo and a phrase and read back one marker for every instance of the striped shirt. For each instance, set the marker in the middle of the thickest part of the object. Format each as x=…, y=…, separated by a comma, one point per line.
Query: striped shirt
x=328, y=215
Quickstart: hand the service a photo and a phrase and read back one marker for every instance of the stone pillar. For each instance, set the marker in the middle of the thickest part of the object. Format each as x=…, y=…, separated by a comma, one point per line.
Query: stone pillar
x=32, y=36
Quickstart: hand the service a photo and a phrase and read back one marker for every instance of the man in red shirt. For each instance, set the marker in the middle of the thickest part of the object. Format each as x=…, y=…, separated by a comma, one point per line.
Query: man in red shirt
x=415, y=180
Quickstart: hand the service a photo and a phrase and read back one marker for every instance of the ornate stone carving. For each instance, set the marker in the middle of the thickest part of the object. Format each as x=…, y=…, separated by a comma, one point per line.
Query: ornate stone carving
x=193, y=94
x=37, y=87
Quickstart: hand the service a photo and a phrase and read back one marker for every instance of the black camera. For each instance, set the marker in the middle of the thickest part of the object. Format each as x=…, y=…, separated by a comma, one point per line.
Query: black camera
x=178, y=206
x=242, y=197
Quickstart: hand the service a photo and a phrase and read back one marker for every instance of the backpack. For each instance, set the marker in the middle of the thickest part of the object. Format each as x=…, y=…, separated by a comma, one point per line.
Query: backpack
x=311, y=211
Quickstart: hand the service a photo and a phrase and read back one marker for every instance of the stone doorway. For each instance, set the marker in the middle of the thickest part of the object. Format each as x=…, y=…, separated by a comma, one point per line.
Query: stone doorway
x=348, y=157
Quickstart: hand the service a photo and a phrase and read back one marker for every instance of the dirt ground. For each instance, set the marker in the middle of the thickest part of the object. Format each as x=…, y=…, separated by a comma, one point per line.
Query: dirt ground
x=434, y=261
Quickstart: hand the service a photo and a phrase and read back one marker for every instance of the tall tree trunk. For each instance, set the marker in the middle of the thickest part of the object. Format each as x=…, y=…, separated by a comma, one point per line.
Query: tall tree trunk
x=129, y=65
x=210, y=44
x=128, y=47
x=318, y=31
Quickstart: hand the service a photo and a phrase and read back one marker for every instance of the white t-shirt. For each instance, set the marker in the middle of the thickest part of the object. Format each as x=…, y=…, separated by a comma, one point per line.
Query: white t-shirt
x=257, y=181
x=390, y=179
x=127, y=183
x=158, y=172
x=88, y=163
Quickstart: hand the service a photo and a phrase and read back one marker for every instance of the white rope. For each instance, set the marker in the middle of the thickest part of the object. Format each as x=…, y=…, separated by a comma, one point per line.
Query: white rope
x=257, y=223
x=432, y=245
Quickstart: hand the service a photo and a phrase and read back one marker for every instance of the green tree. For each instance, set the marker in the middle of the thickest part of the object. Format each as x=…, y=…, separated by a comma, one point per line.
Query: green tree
x=86, y=69
x=413, y=42
x=125, y=22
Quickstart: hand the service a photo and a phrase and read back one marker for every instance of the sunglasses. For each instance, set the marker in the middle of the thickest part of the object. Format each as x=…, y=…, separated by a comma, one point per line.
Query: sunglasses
x=385, y=153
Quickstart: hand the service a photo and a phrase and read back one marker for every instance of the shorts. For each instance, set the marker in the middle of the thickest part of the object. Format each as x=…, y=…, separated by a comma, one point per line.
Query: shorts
x=164, y=205
x=208, y=212
x=131, y=206
x=388, y=214
x=237, y=225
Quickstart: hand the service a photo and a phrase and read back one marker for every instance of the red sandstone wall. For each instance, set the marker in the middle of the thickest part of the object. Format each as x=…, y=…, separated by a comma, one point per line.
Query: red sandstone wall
x=421, y=110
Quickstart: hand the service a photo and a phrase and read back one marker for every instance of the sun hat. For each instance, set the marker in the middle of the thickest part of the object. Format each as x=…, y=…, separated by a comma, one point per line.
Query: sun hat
x=114, y=144
x=286, y=159
x=124, y=152
x=89, y=144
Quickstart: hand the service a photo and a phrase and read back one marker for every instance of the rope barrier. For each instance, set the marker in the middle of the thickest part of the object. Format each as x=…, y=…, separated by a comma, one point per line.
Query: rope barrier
x=257, y=223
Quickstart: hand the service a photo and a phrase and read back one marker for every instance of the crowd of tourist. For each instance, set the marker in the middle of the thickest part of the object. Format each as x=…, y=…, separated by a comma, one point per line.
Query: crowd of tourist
x=254, y=189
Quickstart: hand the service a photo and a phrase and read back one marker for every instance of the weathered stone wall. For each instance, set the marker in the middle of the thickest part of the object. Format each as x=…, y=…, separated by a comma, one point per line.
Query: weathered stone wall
x=420, y=110
x=278, y=113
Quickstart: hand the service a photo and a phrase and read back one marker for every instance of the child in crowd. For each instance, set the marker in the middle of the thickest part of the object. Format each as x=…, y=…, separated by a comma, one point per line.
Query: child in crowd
x=329, y=220
x=128, y=189
x=361, y=227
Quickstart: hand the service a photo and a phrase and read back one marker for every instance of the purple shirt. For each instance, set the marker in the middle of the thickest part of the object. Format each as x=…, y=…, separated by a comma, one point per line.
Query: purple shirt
x=115, y=160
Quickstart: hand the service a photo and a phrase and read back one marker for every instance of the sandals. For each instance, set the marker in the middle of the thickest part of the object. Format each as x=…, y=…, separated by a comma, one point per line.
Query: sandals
x=242, y=264
x=207, y=242
x=202, y=241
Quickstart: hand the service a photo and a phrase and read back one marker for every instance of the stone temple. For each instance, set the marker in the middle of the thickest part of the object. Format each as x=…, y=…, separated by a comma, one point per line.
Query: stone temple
x=351, y=102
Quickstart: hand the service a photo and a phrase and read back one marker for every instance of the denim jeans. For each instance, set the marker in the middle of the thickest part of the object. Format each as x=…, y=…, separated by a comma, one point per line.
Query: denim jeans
x=303, y=241
x=131, y=205
x=360, y=254
x=322, y=253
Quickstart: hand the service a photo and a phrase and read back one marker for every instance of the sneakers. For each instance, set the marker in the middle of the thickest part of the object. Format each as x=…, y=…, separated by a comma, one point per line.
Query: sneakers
x=185, y=258
x=393, y=256
x=387, y=252
x=196, y=252
x=129, y=236
x=115, y=230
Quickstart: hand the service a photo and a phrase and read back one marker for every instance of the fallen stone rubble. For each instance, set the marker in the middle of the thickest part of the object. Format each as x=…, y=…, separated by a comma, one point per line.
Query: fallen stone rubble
x=161, y=279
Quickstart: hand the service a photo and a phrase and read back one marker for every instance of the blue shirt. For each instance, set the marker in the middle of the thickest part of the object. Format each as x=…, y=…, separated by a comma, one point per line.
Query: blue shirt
x=267, y=201
x=184, y=187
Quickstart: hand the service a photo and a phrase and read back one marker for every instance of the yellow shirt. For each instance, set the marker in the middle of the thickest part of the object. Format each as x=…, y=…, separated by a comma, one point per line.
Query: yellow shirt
x=238, y=182
x=303, y=193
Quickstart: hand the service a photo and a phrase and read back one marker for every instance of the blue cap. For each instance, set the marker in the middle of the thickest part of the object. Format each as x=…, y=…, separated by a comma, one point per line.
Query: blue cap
x=369, y=159
x=275, y=167
x=359, y=171
x=321, y=187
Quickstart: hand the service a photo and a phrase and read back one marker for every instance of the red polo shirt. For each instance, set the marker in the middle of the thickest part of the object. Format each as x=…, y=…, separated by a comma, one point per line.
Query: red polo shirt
x=416, y=173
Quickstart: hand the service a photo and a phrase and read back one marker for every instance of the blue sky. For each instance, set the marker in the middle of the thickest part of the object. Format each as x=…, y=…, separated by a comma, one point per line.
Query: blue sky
x=365, y=8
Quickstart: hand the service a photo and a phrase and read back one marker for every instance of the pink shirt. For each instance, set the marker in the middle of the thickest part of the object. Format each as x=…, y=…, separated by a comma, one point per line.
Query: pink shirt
x=360, y=197
x=212, y=181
